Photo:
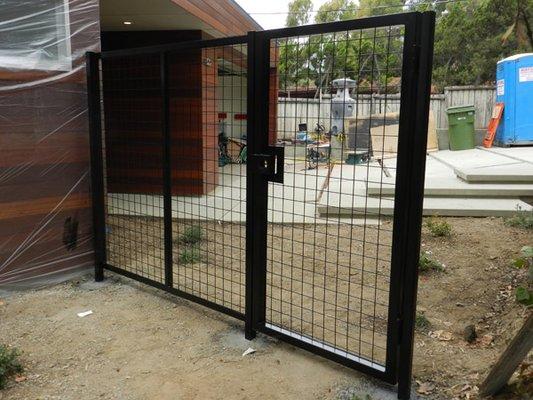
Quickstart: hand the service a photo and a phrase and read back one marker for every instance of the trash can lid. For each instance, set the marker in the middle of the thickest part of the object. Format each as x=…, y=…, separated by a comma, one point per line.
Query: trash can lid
x=460, y=109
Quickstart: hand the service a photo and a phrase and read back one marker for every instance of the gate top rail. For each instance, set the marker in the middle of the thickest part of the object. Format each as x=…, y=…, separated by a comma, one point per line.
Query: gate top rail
x=379, y=21
x=186, y=45
x=363, y=23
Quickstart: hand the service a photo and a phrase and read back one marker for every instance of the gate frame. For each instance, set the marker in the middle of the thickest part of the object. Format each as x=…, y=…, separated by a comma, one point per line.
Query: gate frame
x=261, y=169
x=97, y=172
x=412, y=141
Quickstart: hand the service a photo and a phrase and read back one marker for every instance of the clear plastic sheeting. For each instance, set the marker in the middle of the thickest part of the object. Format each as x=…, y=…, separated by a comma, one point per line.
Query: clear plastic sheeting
x=45, y=214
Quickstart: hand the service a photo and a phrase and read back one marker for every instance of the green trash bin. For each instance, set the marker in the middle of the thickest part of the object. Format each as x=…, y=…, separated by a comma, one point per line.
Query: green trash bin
x=461, y=127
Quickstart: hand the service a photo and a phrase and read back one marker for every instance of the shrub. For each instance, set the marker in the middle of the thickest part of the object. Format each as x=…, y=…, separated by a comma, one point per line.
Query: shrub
x=526, y=258
x=421, y=322
x=427, y=264
x=190, y=255
x=9, y=364
x=438, y=227
x=192, y=235
x=522, y=219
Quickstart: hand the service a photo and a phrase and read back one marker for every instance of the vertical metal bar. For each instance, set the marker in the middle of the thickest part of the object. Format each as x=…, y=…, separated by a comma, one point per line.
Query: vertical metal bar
x=167, y=170
x=262, y=81
x=400, y=220
x=257, y=184
x=249, y=327
x=425, y=34
x=97, y=162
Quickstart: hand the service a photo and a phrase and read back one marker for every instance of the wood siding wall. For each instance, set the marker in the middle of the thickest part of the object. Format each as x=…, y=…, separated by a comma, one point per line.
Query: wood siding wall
x=45, y=214
x=132, y=101
x=224, y=16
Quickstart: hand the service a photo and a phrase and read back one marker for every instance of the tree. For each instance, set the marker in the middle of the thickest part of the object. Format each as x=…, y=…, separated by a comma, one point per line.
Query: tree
x=369, y=56
x=336, y=10
x=369, y=8
x=472, y=36
x=299, y=12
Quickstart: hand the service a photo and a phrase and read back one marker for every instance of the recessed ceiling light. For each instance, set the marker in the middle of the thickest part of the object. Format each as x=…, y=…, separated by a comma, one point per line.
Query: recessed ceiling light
x=127, y=22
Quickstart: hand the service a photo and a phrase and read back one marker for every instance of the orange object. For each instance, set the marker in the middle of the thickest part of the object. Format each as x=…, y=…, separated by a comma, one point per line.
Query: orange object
x=493, y=125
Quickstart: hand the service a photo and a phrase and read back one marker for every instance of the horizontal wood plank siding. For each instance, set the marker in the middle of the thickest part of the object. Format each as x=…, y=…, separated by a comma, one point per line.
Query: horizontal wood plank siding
x=224, y=16
x=44, y=162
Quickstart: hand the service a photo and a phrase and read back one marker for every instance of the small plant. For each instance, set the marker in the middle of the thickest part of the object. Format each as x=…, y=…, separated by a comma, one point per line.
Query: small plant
x=9, y=364
x=524, y=295
x=421, y=322
x=427, y=264
x=438, y=227
x=356, y=397
x=522, y=219
x=192, y=235
x=190, y=255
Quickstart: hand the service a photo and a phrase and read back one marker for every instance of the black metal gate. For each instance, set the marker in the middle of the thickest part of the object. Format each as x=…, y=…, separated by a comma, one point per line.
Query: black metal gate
x=300, y=216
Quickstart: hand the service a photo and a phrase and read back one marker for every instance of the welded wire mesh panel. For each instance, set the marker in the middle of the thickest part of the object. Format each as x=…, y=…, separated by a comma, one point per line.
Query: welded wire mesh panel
x=133, y=164
x=329, y=223
x=207, y=94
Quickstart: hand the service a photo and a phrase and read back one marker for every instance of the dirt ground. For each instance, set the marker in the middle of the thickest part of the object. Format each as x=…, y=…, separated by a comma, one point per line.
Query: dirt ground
x=329, y=282
x=144, y=344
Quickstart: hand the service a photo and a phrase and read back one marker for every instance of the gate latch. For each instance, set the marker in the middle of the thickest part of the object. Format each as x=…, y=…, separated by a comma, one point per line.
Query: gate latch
x=270, y=165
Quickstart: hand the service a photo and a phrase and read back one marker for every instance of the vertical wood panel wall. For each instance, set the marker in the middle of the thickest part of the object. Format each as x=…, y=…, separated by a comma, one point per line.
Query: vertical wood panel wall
x=132, y=104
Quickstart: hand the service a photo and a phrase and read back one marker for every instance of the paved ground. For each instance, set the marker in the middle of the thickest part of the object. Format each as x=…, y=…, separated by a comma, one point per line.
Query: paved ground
x=477, y=182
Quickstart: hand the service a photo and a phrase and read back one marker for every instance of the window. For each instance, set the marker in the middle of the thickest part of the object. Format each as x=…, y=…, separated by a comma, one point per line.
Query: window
x=35, y=35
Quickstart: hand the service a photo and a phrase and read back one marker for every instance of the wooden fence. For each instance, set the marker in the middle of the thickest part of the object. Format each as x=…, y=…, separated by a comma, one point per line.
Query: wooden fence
x=292, y=111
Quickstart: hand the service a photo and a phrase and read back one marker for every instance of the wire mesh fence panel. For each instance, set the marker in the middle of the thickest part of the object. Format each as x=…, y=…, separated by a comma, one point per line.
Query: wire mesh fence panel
x=194, y=113
x=207, y=92
x=133, y=172
x=330, y=229
x=314, y=236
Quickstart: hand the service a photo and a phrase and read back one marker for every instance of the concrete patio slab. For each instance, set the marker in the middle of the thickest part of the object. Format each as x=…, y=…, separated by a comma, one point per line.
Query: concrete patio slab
x=478, y=165
x=518, y=153
x=441, y=181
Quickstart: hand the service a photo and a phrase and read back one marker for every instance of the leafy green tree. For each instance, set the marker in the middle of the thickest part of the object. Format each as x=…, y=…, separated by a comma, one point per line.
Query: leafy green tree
x=369, y=56
x=299, y=12
x=369, y=8
x=472, y=36
x=336, y=10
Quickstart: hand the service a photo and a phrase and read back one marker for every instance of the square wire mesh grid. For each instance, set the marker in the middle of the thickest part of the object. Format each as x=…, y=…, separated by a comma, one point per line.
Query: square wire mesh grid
x=207, y=124
x=209, y=206
x=329, y=223
x=133, y=138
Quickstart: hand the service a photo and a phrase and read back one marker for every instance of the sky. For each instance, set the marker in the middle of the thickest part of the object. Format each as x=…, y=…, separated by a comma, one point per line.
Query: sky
x=271, y=14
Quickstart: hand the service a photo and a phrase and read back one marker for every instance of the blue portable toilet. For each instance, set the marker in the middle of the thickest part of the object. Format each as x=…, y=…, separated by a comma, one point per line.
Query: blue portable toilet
x=514, y=88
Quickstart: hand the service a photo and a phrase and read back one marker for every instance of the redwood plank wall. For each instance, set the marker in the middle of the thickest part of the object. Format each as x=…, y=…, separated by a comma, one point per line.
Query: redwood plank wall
x=45, y=214
x=133, y=130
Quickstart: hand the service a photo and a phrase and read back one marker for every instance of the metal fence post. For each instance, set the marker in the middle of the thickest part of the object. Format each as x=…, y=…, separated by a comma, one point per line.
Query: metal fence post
x=425, y=28
x=167, y=169
x=257, y=184
x=249, y=328
x=97, y=162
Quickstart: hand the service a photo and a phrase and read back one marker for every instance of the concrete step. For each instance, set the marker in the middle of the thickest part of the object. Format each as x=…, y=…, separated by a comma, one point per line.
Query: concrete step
x=442, y=181
x=443, y=206
x=512, y=165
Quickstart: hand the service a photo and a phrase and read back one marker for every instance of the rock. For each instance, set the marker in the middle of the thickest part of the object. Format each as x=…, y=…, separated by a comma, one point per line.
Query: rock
x=470, y=334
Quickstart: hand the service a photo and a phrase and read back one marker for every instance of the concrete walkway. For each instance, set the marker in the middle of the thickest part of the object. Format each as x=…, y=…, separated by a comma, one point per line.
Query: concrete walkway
x=477, y=182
